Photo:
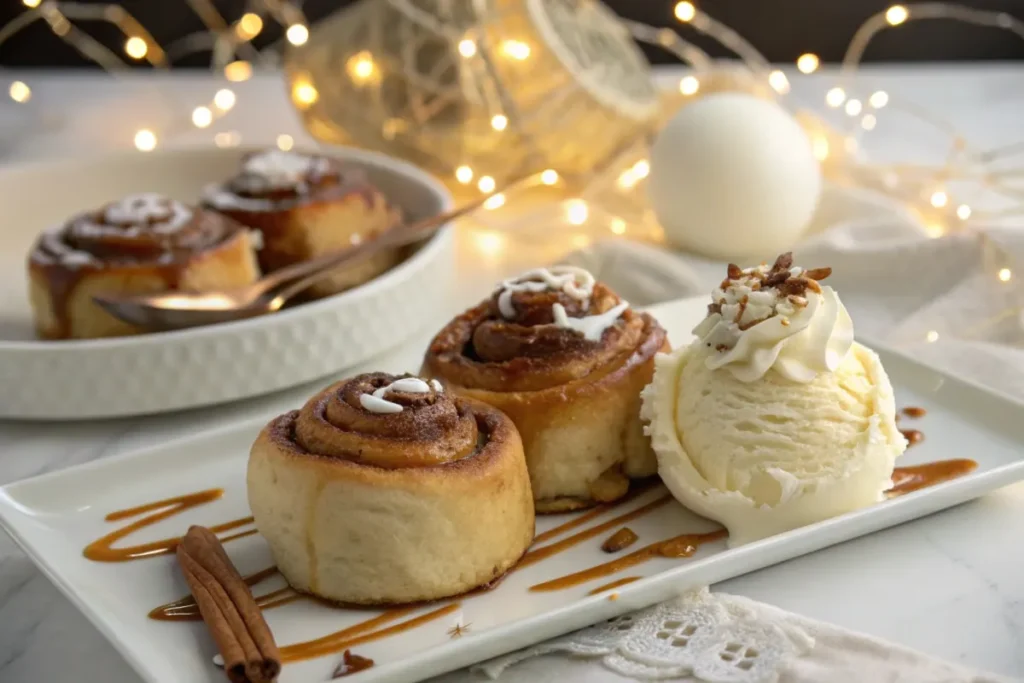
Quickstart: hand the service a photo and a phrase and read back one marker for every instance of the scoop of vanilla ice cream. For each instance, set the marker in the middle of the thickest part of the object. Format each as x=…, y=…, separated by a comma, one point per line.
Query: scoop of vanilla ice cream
x=745, y=440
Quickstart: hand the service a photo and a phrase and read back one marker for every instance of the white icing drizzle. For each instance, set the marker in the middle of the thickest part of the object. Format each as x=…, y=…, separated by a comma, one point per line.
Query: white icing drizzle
x=576, y=283
x=376, y=403
x=267, y=171
x=218, y=661
x=134, y=212
x=572, y=281
x=129, y=217
x=591, y=326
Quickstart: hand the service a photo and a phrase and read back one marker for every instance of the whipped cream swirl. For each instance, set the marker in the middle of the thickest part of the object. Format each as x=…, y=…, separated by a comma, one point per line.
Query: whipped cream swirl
x=776, y=318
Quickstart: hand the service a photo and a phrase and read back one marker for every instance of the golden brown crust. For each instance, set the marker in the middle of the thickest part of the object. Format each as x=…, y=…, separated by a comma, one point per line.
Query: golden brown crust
x=91, y=255
x=371, y=508
x=336, y=208
x=575, y=402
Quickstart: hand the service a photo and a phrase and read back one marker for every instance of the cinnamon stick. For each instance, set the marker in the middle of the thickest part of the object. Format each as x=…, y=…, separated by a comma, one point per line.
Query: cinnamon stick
x=228, y=609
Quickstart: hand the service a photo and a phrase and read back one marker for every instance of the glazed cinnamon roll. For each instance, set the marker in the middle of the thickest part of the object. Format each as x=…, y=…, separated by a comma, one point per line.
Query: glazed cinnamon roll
x=306, y=206
x=566, y=359
x=143, y=243
x=387, y=490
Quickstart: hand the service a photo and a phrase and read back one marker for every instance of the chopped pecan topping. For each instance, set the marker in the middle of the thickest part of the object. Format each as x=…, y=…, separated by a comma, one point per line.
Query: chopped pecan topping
x=817, y=273
x=734, y=272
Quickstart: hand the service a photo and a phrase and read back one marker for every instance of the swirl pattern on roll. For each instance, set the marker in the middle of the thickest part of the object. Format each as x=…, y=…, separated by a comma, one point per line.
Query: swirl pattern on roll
x=528, y=351
x=433, y=428
x=139, y=229
x=416, y=496
x=274, y=180
x=565, y=358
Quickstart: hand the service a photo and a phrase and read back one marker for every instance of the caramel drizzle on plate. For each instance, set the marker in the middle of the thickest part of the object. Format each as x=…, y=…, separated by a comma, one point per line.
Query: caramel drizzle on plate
x=916, y=477
x=103, y=550
x=677, y=546
x=905, y=480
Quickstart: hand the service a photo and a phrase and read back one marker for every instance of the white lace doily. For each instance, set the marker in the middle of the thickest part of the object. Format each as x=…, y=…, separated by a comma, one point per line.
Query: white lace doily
x=705, y=637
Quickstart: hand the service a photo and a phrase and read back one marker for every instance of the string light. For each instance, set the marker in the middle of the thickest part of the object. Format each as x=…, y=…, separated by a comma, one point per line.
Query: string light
x=467, y=48
x=835, y=97
x=1005, y=274
x=820, y=148
x=249, y=26
x=963, y=212
x=19, y=91
x=778, y=81
x=549, y=177
x=618, y=226
x=31, y=4
x=304, y=93
x=932, y=337
x=868, y=122
x=238, y=71
x=934, y=230
x=489, y=243
x=499, y=122
x=939, y=199
x=576, y=211
x=878, y=99
x=486, y=184
x=689, y=85
x=285, y=142
x=896, y=15
x=360, y=66
x=495, y=202
x=853, y=107
x=202, y=117
x=685, y=11
x=808, y=63
x=228, y=138
x=145, y=140
x=516, y=49
x=464, y=174
x=297, y=34
x=224, y=99
x=136, y=47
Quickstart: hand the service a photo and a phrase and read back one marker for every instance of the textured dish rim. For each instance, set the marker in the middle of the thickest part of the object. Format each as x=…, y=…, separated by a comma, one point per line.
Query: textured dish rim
x=428, y=250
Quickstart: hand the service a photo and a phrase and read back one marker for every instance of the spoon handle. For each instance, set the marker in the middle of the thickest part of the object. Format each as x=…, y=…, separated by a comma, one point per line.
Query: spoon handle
x=290, y=280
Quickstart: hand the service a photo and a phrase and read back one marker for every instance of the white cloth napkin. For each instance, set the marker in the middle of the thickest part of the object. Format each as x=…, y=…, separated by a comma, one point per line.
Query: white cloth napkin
x=728, y=639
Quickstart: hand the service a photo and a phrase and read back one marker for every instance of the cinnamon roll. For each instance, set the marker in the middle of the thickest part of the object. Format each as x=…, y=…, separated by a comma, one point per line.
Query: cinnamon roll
x=566, y=359
x=306, y=206
x=142, y=243
x=387, y=490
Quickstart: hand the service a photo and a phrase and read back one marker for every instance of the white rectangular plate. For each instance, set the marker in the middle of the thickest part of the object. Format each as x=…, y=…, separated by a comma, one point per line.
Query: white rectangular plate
x=54, y=516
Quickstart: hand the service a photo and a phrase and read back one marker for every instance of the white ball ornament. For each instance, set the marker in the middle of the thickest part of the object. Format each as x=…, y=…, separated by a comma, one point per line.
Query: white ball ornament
x=733, y=177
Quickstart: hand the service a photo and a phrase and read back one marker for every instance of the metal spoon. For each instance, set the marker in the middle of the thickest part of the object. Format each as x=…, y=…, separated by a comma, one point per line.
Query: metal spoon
x=177, y=310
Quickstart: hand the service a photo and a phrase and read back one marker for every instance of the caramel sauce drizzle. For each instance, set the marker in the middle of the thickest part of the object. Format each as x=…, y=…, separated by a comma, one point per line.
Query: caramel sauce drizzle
x=905, y=480
x=544, y=552
x=677, y=546
x=186, y=608
x=361, y=633
x=351, y=664
x=582, y=518
x=914, y=412
x=916, y=477
x=913, y=436
x=613, y=584
x=103, y=550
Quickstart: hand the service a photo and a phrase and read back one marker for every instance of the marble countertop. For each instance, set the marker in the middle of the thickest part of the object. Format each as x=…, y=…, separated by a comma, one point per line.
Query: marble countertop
x=950, y=585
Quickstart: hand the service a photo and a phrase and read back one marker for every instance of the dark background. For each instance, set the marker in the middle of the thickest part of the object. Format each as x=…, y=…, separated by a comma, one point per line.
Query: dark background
x=781, y=29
